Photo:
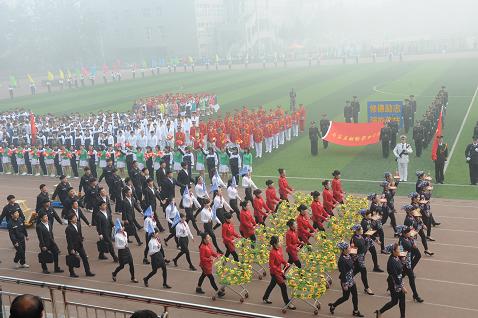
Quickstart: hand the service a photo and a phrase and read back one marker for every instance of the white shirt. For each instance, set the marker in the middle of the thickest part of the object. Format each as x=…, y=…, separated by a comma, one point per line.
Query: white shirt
x=121, y=140
x=148, y=221
x=232, y=193
x=182, y=230
x=142, y=141
x=217, y=179
x=220, y=203
x=200, y=191
x=47, y=226
x=398, y=150
x=248, y=183
x=171, y=212
x=154, y=246
x=190, y=200
x=206, y=216
x=121, y=240
x=76, y=227
x=152, y=141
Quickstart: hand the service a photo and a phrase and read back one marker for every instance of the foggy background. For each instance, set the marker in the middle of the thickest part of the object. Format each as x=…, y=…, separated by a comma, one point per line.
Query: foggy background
x=36, y=35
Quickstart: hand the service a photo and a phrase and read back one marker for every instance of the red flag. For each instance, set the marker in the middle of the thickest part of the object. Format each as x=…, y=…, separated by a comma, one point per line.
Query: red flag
x=352, y=135
x=435, y=140
x=33, y=128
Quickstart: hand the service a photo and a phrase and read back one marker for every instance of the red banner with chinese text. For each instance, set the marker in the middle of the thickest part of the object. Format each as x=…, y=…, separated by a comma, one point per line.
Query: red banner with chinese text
x=353, y=135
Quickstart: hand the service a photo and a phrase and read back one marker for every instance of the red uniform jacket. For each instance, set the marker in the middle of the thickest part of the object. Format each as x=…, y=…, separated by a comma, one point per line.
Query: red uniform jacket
x=292, y=245
x=247, y=223
x=328, y=200
x=284, y=188
x=205, y=258
x=271, y=198
x=258, y=135
x=259, y=207
x=276, y=260
x=319, y=215
x=337, y=190
x=180, y=138
x=303, y=228
x=228, y=235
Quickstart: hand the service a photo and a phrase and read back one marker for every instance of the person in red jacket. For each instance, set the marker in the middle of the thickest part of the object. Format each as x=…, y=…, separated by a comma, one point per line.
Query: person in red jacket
x=228, y=236
x=328, y=200
x=206, y=257
x=276, y=261
x=337, y=187
x=180, y=137
x=304, y=229
x=292, y=243
x=319, y=215
x=271, y=197
x=247, y=227
x=261, y=211
x=284, y=188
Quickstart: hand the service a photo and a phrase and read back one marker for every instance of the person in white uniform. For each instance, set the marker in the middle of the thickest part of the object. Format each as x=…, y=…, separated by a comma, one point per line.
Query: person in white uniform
x=402, y=151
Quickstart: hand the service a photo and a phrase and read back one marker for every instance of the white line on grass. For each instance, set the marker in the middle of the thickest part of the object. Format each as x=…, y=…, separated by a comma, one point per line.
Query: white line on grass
x=461, y=129
x=375, y=89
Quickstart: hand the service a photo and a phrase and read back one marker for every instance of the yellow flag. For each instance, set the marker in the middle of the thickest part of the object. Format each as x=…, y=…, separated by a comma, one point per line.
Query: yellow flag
x=30, y=79
x=62, y=75
x=50, y=76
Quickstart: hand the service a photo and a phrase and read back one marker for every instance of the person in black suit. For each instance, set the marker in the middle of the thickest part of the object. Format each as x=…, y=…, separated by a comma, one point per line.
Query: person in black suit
x=68, y=203
x=143, y=177
x=47, y=242
x=135, y=175
x=91, y=190
x=104, y=226
x=18, y=234
x=76, y=210
x=50, y=212
x=42, y=196
x=85, y=179
x=161, y=172
x=74, y=240
x=115, y=189
x=101, y=196
x=107, y=173
x=128, y=215
x=168, y=189
x=61, y=189
x=150, y=194
x=441, y=158
x=184, y=178
x=471, y=155
x=9, y=209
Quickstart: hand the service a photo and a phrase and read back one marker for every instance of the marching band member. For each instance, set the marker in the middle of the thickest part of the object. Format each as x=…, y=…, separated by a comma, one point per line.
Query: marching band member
x=360, y=242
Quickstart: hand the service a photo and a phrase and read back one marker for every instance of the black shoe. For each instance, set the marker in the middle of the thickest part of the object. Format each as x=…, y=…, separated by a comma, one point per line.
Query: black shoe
x=90, y=274
x=166, y=286
x=45, y=271
x=146, y=262
x=161, y=230
x=429, y=253
x=58, y=270
x=436, y=224
x=175, y=261
x=378, y=270
x=431, y=239
x=396, y=235
x=266, y=301
x=165, y=242
x=357, y=314
x=129, y=241
x=139, y=228
x=145, y=282
x=102, y=257
x=417, y=299
x=199, y=290
x=291, y=307
x=331, y=308
x=220, y=294
x=368, y=292
x=140, y=243
x=133, y=280
x=73, y=275
x=167, y=261
x=377, y=313
x=192, y=268
x=115, y=260
x=113, y=276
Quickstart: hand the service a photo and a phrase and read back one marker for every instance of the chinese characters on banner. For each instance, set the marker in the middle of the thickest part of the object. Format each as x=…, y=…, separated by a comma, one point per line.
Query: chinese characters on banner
x=353, y=135
x=381, y=111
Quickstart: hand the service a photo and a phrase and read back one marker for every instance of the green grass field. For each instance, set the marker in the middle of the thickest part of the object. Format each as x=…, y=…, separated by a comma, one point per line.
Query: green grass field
x=323, y=89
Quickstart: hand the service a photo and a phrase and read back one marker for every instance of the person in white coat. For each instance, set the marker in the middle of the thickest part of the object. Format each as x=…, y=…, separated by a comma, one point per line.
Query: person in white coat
x=402, y=151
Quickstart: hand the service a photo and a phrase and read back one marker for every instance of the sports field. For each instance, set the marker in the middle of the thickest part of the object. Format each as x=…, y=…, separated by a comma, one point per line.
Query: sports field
x=322, y=89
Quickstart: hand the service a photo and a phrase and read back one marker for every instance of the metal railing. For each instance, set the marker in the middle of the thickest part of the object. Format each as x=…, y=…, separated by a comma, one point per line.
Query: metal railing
x=59, y=306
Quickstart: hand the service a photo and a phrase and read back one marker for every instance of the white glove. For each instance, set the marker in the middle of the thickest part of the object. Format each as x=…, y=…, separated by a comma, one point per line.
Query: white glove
x=468, y=158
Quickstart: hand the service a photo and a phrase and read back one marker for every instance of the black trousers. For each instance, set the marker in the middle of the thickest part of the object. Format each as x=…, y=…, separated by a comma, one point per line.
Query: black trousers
x=424, y=239
x=54, y=252
x=209, y=230
x=190, y=217
x=385, y=148
x=147, y=238
x=183, y=245
x=418, y=147
x=363, y=274
x=473, y=173
x=157, y=262
x=172, y=234
x=111, y=250
x=373, y=252
x=314, y=147
x=44, y=170
x=121, y=266
x=416, y=255
x=345, y=296
x=235, y=208
x=439, y=168
x=427, y=220
x=393, y=221
x=248, y=195
x=20, y=253
x=84, y=258
x=211, y=280
x=397, y=298
x=233, y=253
x=411, y=279
x=28, y=164
x=283, y=289
x=74, y=167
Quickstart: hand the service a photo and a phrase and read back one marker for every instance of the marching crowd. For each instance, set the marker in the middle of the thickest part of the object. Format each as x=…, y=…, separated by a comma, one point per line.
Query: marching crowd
x=139, y=193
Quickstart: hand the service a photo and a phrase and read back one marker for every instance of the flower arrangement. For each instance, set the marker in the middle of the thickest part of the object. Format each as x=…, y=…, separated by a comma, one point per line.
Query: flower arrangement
x=230, y=272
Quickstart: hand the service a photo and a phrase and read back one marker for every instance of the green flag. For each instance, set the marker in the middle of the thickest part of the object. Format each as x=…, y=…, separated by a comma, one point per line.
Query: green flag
x=13, y=81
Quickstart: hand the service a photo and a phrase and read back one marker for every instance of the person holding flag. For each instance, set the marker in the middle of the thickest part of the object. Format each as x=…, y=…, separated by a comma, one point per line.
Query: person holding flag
x=149, y=226
x=233, y=195
x=158, y=259
x=183, y=233
x=173, y=218
x=219, y=205
x=124, y=254
x=439, y=151
x=208, y=216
